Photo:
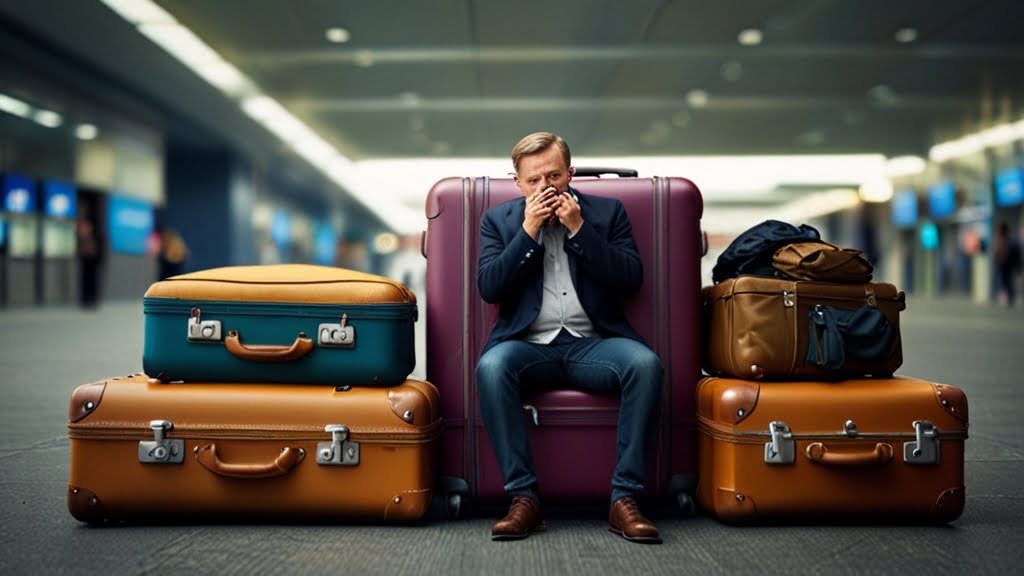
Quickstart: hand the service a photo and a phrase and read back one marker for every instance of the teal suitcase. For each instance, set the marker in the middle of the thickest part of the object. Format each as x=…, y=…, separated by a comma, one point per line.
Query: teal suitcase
x=292, y=323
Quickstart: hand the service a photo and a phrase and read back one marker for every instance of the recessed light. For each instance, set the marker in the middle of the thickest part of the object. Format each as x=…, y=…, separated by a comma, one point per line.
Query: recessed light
x=86, y=132
x=906, y=35
x=48, y=118
x=750, y=36
x=338, y=35
x=697, y=98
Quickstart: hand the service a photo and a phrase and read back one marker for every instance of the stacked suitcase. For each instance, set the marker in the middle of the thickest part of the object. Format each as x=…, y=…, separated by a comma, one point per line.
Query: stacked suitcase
x=272, y=391
x=795, y=426
x=572, y=433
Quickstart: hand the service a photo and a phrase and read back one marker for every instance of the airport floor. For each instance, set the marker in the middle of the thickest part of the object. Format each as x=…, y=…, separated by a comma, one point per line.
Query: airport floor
x=45, y=353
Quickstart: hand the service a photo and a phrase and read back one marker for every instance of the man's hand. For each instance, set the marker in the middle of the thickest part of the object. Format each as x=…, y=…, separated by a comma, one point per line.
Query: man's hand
x=539, y=208
x=568, y=213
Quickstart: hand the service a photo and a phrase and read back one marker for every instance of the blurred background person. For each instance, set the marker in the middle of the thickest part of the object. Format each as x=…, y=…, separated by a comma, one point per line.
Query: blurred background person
x=1008, y=262
x=90, y=256
x=173, y=253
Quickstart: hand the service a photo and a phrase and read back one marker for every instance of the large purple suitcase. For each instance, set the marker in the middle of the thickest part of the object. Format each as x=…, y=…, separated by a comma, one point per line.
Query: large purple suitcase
x=572, y=435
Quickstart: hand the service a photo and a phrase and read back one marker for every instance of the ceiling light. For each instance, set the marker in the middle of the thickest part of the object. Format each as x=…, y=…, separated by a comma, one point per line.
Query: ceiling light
x=876, y=190
x=750, y=37
x=48, y=118
x=86, y=132
x=14, y=106
x=697, y=98
x=904, y=166
x=139, y=11
x=974, y=143
x=409, y=98
x=906, y=35
x=338, y=35
x=181, y=43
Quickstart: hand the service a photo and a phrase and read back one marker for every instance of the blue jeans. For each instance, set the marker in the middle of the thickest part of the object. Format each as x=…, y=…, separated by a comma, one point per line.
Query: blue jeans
x=600, y=365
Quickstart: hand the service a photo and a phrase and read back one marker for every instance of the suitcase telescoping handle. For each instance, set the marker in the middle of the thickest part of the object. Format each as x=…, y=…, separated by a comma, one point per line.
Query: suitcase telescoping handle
x=268, y=353
x=877, y=456
x=288, y=459
x=597, y=171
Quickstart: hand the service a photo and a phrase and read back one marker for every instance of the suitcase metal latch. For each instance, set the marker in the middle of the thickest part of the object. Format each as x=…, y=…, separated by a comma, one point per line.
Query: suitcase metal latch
x=926, y=449
x=782, y=449
x=200, y=330
x=161, y=450
x=339, y=335
x=339, y=451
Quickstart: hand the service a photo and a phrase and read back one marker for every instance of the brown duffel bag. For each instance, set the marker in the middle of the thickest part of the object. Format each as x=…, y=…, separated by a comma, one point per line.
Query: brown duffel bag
x=822, y=262
x=761, y=327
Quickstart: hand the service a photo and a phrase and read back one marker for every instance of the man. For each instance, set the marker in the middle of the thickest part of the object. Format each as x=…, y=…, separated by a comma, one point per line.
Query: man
x=559, y=264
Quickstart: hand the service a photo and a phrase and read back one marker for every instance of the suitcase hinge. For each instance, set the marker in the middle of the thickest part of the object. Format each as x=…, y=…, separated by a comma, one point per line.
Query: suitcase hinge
x=925, y=450
x=339, y=335
x=161, y=450
x=339, y=451
x=202, y=331
x=787, y=299
x=782, y=449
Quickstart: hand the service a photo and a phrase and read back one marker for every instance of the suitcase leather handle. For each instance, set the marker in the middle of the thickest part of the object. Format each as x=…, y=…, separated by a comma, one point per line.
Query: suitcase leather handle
x=288, y=459
x=819, y=454
x=268, y=353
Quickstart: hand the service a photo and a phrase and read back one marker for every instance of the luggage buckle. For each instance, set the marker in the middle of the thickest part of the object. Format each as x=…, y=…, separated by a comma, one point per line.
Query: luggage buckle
x=925, y=450
x=782, y=449
x=200, y=330
x=161, y=450
x=339, y=335
x=339, y=451
x=787, y=299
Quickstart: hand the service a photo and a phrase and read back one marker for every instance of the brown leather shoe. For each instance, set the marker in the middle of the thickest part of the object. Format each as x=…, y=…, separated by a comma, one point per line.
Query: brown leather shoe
x=626, y=520
x=523, y=518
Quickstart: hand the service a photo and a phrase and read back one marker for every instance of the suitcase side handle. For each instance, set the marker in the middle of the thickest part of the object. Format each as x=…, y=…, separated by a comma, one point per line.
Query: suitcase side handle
x=268, y=353
x=819, y=454
x=288, y=459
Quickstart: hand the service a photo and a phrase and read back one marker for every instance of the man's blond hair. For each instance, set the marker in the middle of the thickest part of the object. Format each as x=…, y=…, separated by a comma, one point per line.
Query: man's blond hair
x=539, y=142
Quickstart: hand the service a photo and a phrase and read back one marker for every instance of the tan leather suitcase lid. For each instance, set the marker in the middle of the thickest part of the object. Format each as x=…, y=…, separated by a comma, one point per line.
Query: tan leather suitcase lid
x=126, y=406
x=286, y=283
x=728, y=407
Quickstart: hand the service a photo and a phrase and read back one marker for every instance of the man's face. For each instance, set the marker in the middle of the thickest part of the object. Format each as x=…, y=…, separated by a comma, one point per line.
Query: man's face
x=539, y=171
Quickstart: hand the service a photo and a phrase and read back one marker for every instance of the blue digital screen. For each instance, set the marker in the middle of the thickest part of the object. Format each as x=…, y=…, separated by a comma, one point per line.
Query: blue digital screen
x=19, y=194
x=59, y=199
x=129, y=222
x=929, y=236
x=281, y=228
x=904, y=208
x=1010, y=187
x=325, y=243
x=942, y=199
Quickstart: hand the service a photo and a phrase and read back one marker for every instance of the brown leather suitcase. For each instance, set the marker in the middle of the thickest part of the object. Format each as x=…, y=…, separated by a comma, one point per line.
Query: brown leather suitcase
x=145, y=450
x=870, y=449
x=760, y=327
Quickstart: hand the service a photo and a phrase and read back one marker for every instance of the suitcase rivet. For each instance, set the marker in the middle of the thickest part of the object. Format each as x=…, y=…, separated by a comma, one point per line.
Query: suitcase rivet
x=196, y=450
x=398, y=499
x=741, y=412
x=407, y=416
x=351, y=452
x=89, y=405
x=945, y=403
x=740, y=497
x=175, y=449
x=74, y=491
x=93, y=501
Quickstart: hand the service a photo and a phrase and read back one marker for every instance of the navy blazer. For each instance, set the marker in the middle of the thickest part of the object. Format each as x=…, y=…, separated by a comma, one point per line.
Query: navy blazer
x=603, y=261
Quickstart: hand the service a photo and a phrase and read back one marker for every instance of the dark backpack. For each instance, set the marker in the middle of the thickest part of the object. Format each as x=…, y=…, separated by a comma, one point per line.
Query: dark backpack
x=751, y=252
